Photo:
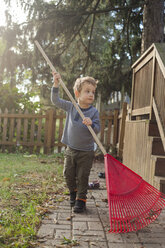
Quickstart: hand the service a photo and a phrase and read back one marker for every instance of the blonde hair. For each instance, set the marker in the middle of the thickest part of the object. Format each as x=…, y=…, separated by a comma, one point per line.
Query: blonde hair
x=81, y=81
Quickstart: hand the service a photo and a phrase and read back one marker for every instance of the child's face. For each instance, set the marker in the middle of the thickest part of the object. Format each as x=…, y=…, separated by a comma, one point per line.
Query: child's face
x=86, y=96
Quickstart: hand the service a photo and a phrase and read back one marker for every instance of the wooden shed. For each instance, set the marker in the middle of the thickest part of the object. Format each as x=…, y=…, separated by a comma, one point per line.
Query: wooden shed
x=144, y=143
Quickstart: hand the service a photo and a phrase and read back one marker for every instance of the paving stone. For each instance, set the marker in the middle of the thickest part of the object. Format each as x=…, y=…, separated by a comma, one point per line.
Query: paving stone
x=90, y=204
x=97, y=234
x=54, y=243
x=46, y=230
x=91, y=211
x=98, y=244
x=114, y=237
x=80, y=226
x=151, y=235
x=83, y=244
x=152, y=246
x=154, y=240
x=130, y=237
x=101, y=204
x=85, y=218
x=119, y=245
x=89, y=238
x=60, y=233
x=64, y=215
x=67, y=211
x=95, y=225
x=162, y=219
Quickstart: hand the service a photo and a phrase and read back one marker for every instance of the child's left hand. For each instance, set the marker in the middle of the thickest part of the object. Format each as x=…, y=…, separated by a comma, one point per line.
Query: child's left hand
x=87, y=121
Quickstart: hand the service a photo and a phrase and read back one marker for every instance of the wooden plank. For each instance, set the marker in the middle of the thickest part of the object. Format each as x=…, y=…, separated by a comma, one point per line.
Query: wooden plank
x=46, y=131
x=11, y=127
x=39, y=130
x=5, y=121
x=141, y=111
x=0, y=122
x=32, y=133
x=122, y=130
x=102, y=130
x=50, y=124
x=4, y=130
x=116, y=112
x=145, y=54
x=25, y=126
x=144, y=61
x=55, y=131
x=18, y=134
x=60, y=132
x=59, y=115
x=132, y=93
x=137, y=149
x=161, y=131
x=142, y=86
x=11, y=130
x=160, y=62
x=152, y=83
x=109, y=132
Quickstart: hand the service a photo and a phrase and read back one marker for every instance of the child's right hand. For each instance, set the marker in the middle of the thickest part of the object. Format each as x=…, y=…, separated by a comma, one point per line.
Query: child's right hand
x=56, y=78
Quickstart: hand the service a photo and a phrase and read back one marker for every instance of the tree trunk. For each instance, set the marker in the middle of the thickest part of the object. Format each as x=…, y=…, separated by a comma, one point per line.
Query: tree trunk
x=153, y=24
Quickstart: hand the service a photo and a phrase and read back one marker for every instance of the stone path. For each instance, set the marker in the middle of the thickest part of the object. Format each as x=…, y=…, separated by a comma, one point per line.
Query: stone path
x=90, y=229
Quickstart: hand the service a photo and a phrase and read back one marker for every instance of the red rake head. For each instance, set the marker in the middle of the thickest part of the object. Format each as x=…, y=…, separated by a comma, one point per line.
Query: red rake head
x=133, y=203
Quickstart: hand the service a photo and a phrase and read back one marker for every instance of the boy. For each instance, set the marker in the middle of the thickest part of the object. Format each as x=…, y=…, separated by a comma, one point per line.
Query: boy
x=79, y=153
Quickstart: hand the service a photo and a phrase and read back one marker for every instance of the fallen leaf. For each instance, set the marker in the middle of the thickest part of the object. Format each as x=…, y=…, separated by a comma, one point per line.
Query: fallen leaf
x=43, y=161
x=92, y=243
x=5, y=179
x=41, y=240
x=56, y=221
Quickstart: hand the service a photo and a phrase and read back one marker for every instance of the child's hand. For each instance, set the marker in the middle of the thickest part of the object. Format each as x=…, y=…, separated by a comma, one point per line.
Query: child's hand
x=87, y=121
x=56, y=78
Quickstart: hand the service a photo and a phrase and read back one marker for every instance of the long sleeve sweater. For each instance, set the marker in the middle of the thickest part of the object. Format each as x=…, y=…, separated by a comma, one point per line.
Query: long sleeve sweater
x=76, y=135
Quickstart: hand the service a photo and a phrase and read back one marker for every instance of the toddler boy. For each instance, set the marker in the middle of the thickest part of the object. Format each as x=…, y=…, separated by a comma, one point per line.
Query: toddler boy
x=79, y=153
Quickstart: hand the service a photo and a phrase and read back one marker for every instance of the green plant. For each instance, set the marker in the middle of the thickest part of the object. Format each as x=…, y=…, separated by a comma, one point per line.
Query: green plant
x=28, y=184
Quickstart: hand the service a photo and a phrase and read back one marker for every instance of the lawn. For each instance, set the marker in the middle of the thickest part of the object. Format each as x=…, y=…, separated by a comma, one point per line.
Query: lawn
x=29, y=185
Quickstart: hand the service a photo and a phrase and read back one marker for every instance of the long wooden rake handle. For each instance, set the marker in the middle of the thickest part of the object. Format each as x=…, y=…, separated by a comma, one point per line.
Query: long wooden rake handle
x=71, y=98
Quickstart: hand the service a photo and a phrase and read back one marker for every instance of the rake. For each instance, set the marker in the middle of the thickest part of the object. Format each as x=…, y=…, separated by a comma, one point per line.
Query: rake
x=133, y=203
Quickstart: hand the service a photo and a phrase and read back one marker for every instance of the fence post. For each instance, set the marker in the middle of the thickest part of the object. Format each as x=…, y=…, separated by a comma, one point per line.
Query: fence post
x=49, y=131
x=4, y=134
x=115, y=123
x=122, y=130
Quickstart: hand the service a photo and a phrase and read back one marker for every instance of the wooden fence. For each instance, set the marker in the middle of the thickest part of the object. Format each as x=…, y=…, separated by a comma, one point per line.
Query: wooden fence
x=41, y=133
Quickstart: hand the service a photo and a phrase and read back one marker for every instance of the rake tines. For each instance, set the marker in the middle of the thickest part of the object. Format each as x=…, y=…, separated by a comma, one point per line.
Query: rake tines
x=133, y=203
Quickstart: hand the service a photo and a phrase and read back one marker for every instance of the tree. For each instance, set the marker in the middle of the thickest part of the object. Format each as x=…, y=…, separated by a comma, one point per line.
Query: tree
x=97, y=37
x=153, y=23
x=11, y=98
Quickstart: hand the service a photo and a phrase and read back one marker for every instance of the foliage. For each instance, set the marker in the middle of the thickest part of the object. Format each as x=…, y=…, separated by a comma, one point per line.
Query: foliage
x=28, y=187
x=11, y=98
x=99, y=37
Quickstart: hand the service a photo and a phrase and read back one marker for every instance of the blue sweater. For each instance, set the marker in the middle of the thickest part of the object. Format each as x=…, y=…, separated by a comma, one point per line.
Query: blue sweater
x=76, y=135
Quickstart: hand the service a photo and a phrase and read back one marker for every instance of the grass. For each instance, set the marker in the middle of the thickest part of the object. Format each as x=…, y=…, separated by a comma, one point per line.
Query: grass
x=28, y=189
